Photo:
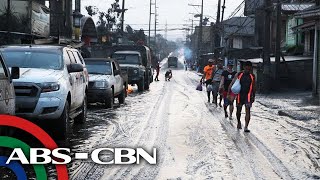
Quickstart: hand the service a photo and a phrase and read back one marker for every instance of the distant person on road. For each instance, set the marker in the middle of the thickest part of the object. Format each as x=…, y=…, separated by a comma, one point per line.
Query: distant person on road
x=247, y=93
x=216, y=78
x=207, y=75
x=168, y=75
x=226, y=79
x=158, y=71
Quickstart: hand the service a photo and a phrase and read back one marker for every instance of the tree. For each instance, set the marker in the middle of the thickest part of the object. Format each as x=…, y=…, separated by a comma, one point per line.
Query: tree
x=107, y=22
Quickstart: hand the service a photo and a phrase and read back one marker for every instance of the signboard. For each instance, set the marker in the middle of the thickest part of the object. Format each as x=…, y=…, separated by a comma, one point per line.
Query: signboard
x=291, y=36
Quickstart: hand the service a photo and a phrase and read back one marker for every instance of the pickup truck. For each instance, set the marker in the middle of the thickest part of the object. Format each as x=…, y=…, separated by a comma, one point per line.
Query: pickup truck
x=52, y=87
x=106, y=81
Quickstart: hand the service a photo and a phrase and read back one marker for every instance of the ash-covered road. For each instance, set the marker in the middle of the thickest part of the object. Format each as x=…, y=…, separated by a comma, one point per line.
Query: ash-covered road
x=195, y=141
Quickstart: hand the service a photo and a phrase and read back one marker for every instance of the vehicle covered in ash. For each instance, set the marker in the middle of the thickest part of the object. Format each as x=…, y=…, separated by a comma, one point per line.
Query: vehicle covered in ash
x=173, y=62
x=52, y=87
x=106, y=81
x=137, y=62
x=7, y=95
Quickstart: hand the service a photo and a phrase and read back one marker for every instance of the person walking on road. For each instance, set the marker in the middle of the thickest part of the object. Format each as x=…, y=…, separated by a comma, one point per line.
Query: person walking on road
x=207, y=75
x=247, y=93
x=158, y=71
x=228, y=96
x=216, y=78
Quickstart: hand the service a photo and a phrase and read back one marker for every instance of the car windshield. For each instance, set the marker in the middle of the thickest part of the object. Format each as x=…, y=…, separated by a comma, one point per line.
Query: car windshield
x=33, y=59
x=127, y=58
x=99, y=67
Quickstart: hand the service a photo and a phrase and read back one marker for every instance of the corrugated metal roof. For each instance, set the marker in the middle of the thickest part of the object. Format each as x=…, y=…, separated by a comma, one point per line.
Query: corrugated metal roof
x=287, y=59
x=239, y=26
x=296, y=7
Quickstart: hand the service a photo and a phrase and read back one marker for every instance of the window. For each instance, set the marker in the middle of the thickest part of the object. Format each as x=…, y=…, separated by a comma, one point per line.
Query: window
x=99, y=67
x=114, y=67
x=3, y=73
x=127, y=58
x=81, y=58
x=77, y=57
x=33, y=59
x=72, y=58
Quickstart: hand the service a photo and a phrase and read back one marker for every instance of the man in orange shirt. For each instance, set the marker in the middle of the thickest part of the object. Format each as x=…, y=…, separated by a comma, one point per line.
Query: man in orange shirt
x=207, y=75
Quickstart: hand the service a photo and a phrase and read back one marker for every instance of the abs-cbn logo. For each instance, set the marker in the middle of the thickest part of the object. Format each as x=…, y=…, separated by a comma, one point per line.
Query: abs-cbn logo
x=118, y=156
x=23, y=155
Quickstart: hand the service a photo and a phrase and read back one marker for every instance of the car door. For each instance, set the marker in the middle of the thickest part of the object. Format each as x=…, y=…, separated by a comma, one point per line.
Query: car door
x=79, y=92
x=7, y=97
x=82, y=76
x=117, y=78
x=72, y=79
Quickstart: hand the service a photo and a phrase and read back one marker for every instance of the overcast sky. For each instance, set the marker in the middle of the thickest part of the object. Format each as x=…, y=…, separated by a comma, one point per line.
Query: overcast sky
x=173, y=12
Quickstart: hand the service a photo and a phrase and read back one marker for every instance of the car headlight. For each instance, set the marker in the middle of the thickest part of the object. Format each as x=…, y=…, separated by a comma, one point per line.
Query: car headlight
x=135, y=71
x=49, y=87
x=100, y=84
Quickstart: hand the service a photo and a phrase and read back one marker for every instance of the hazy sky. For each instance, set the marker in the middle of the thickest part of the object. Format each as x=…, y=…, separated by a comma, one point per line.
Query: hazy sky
x=174, y=12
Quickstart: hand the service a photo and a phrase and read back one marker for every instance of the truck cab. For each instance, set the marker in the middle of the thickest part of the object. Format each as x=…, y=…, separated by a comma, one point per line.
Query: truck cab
x=143, y=69
x=131, y=62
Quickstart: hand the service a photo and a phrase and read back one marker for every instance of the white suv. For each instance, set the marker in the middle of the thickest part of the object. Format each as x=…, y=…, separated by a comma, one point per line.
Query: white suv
x=52, y=86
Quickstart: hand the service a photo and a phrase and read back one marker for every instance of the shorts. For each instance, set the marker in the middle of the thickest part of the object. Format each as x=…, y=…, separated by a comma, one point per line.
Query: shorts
x=208, y=81
x=215, y=87
x=225, y=97
x=248, y=105
x=243, y=101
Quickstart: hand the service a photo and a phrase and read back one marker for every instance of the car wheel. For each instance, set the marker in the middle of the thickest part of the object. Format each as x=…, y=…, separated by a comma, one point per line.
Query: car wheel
x=122, y=96
x=63, y=123
x=81, y=118
x=109, y=100
x=141, y=85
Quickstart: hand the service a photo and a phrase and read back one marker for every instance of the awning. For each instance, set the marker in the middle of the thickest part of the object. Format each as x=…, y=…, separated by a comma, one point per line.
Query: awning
x=305, y=27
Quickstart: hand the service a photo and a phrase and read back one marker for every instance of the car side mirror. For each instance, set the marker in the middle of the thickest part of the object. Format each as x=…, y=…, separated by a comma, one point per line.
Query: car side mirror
x=75, y=68
x=116, y=72
x=15, y=73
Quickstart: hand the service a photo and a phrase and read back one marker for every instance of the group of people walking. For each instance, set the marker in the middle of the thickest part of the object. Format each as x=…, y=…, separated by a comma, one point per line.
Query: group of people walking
x=219, y=82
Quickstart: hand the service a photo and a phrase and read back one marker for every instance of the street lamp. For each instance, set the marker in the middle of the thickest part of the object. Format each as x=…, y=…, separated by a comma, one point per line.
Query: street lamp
x=77, y=24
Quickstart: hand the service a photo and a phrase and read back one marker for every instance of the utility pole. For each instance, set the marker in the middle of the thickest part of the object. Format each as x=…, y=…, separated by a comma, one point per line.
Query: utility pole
x=149, y=36
x=266, y=49
x=200, y=30
x=216, y=32
x=122, y=17
x=278, y=42
x=155, y=27
x=223, y=7
x=8, y=20
x=166, y=31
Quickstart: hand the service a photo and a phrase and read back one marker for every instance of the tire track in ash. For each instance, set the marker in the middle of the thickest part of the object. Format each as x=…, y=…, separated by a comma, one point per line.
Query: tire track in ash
x=121, y=132
x=255, y=156
x=116, y=172
x=154, y=136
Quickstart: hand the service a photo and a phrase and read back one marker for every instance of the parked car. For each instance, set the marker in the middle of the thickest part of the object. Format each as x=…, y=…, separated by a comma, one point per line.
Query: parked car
x=7, y=95
x=52, y=86
x=137, y=61
x=173, y=61
x=106, y=81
